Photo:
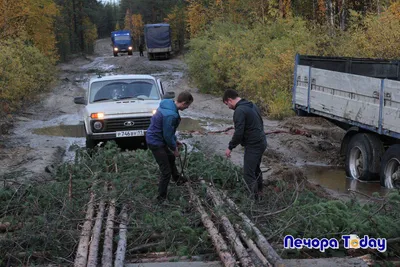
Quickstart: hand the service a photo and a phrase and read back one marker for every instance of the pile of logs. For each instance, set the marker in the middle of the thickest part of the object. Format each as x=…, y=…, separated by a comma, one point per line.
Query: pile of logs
x=89, y=242
x=233, y=244
x=241, y=243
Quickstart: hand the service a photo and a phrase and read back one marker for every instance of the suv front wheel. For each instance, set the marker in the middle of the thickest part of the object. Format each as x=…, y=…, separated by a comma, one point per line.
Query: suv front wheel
x=90, y=143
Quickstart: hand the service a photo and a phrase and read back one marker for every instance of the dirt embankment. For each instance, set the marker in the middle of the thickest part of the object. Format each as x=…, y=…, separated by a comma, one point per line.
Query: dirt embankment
x=26, y=155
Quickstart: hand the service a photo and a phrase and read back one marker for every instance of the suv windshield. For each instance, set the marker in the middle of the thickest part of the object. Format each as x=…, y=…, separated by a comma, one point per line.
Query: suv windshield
x=123, y=89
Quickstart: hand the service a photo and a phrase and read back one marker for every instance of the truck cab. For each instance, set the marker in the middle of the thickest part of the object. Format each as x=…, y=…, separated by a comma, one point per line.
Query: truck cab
x=122, y=42
x=120, y=106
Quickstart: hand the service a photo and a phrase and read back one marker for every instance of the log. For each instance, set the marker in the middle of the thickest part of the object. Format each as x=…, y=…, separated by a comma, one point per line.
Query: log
x=250, y=243
x=83, y=246
x=106, y=260
x=227, y=259
x=234, y=239
x=70, y=187
x=145, y=246
x=121, y=249
x=261, y=241
x=188, y=259
x=8, y=227
x=94, y=245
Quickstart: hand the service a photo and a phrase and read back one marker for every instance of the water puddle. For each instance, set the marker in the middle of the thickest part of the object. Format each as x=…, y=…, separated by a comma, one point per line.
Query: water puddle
x=335, y=179
x=62, y=130
x=187, y=124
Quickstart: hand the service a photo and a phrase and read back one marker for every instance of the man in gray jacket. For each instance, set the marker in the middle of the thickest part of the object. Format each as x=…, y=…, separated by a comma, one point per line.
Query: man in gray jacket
x=249, y=132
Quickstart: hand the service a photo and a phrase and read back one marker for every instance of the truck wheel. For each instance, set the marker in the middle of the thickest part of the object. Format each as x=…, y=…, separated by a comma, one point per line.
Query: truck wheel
x=130, y=53
x=390, y=168
x=359, y=158
x=377, y=150
x=115, y=54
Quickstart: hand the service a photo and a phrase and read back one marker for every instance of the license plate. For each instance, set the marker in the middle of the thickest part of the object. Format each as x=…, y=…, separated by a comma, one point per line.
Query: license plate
x=130, y=133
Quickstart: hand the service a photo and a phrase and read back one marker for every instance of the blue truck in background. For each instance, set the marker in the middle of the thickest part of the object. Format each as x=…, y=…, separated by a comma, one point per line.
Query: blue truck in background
x=158, y=40
x=122, y=42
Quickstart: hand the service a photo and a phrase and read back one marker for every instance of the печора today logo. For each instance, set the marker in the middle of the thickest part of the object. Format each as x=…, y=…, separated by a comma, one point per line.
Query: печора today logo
x=349, y=241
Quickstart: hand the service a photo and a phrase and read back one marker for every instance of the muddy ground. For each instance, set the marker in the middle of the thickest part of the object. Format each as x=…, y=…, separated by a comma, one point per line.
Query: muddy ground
x=48, y=132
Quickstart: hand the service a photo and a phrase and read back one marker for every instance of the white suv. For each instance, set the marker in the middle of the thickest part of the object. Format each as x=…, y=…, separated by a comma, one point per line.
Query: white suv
x=120, y=106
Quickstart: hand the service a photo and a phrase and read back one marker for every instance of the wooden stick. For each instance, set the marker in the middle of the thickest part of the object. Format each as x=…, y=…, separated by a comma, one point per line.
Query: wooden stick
x=250, y=243
x=121, y=249
x=145, y=246
x=106, y=260
x=94, y=245
x=230, y=231
x=70, y=187
x=82, y=251
x=219, y=243
x=171, y=259
x=261, y=241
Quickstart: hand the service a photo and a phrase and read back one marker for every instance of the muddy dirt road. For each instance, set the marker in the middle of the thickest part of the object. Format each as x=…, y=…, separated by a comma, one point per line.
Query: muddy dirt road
x=50, y=131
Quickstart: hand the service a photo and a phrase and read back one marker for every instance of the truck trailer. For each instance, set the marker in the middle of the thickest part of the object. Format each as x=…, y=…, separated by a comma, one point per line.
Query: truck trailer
x=158, y=40
x=362, y=96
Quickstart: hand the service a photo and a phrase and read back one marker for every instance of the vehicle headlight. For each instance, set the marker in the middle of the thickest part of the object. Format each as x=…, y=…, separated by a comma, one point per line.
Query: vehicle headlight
x=115, y=48
x=98, y=125
x=130, y=48
x=99, y=115
x=154, y=111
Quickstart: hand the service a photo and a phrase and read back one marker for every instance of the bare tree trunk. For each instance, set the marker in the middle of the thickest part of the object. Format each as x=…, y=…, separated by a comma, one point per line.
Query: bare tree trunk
x=230, y=231
x=378, y=7
x=94, y=245
x=252, y=246
x=261, y=241
x=82, y=251
x=331, y=12
x=219, y=243
x=343, y=16
x=106, y=260
x=121, y=249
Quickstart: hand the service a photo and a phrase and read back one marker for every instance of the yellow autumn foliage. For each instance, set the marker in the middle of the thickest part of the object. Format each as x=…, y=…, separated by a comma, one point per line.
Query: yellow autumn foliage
x=137, y=23
x=378, y=37
x=257, y=57
x=196, y=18
x=258, y=62
x=24, y=72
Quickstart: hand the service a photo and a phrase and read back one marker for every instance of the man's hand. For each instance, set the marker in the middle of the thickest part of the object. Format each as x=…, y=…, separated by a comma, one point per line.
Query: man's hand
x=228, y=153
x=179, y=144
x=176, y=152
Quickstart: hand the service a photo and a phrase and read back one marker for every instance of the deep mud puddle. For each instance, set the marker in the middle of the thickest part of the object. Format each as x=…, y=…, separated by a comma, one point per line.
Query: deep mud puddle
x=62, y=130
x=187, y=124
x=335, y=179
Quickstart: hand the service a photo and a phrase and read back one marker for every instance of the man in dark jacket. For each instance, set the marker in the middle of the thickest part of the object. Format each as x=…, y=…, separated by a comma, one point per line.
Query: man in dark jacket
x=141, y=47
x=161, y=139
x=249, y=132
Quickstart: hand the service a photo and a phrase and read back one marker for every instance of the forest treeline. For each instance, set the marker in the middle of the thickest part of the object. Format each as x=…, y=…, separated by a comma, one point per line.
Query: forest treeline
x=248, y=45
x=36, y=34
